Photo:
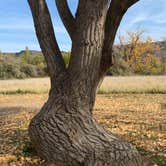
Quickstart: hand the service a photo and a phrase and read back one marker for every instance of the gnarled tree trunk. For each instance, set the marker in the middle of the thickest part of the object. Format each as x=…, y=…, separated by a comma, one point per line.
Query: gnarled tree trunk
x=64, y=132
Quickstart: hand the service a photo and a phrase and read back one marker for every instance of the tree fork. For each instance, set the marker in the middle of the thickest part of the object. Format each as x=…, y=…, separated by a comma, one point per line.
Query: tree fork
x=64, y=132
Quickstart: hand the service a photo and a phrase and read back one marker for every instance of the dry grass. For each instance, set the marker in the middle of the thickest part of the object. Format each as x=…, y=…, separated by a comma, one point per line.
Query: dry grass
x=32, y=85
x=133, y=84
x=138, y=118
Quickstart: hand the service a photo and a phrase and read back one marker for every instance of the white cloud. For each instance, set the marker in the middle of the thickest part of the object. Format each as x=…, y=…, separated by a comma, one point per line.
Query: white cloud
x=136, y=20
x=149, y=15
x=146, y=11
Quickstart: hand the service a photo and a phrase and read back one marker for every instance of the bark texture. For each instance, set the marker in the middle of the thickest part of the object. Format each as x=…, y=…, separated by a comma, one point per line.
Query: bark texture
x=64, y=132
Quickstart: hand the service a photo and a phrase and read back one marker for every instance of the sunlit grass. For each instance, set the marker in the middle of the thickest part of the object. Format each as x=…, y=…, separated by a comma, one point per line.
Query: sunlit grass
x=33, y=85
x=133, y=84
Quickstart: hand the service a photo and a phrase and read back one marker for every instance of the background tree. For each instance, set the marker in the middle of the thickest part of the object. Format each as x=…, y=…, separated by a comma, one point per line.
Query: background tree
x=26, y=57
x=64, y=132
x=66, y=58
x=137, y=54
x=23, y=65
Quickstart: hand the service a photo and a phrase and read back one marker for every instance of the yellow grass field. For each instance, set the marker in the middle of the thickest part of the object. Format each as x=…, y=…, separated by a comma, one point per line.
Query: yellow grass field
x=138, y=116
x=132, y=84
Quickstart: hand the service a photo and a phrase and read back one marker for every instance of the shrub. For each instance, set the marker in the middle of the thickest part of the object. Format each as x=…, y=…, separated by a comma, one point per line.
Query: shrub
x=66, y=58
x=12, y=66
x=29, y=70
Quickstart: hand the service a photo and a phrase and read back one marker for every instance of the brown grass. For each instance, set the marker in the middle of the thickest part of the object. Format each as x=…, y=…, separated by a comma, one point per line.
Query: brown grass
x=32, y=85
x=138, y=118
x=133, y=84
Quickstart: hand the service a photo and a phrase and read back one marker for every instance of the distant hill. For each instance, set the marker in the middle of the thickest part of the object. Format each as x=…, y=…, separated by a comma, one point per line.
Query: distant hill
x=161, y=53
x=32, y=52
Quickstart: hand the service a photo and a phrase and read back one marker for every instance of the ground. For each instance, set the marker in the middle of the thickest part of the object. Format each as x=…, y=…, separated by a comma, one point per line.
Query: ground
x=136, y=117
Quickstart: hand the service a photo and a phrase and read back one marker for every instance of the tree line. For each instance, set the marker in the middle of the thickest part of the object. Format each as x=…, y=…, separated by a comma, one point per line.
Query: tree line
x=22, y=66
x=136, y=54
x=132, y=55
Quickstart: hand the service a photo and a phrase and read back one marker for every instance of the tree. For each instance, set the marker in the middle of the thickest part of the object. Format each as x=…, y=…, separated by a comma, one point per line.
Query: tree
x=64, y=132
x=137, y=53
x=66, y=58
x=26, y=57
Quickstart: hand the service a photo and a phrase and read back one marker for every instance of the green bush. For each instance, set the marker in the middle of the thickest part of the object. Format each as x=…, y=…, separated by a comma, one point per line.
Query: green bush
x=41, y=70
x=28, y=65
x=12, y=66
x=66, y=58
x=119, y=68
x=10, y=70
x=162, y=68
x=29, y=70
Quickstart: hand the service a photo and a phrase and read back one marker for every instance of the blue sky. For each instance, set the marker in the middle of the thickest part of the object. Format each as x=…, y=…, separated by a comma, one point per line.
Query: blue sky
x=17, y=30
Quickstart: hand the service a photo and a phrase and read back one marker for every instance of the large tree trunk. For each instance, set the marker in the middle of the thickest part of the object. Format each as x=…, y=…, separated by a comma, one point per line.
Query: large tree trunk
x=64, y=132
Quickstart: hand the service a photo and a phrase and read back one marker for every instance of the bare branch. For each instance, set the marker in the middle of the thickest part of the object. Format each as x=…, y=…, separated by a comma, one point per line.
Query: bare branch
x=66, y=16
x=115, y=14
x=46, y=36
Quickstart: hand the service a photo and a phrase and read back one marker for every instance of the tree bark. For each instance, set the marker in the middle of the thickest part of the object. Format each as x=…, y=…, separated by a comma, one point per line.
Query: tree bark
x=64, y=132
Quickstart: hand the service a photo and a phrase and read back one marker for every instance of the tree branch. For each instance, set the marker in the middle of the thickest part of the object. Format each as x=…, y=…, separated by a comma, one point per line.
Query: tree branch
x=111, y=25
x=46, y=36
x=66, y=16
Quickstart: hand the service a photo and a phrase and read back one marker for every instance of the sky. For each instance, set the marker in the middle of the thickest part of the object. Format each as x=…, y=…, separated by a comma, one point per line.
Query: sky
x=17, y=28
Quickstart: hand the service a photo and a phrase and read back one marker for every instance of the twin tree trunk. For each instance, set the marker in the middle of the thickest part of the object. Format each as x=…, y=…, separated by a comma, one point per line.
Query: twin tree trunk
x=64, y=132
